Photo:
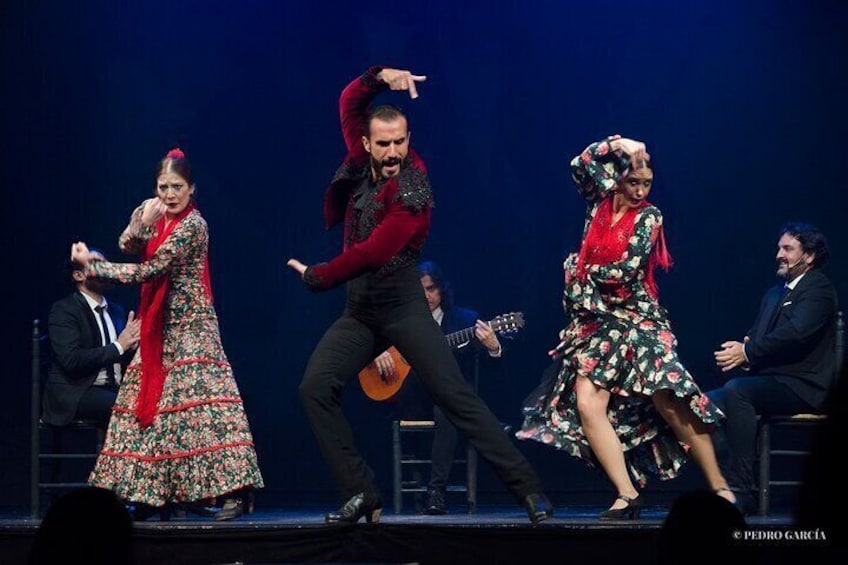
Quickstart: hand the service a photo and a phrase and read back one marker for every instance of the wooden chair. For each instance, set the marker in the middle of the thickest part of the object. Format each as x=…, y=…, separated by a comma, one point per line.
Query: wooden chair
x=402, y=461
x=55, y=455
x=770, y=424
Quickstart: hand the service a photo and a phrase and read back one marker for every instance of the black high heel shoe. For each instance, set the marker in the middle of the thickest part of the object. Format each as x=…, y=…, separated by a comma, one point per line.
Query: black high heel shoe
x=356, y=507
x=139, y=511
x=197, y=507
x=629, y=512
x=235, y=506
x=734, y=502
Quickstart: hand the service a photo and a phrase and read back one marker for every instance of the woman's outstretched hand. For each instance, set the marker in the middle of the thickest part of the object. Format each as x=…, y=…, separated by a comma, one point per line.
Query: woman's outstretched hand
x=80, y=253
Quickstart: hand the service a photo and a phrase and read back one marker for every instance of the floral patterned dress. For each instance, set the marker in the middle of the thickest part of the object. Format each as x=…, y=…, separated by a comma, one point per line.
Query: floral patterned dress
x=619, y=337
x=199, y=444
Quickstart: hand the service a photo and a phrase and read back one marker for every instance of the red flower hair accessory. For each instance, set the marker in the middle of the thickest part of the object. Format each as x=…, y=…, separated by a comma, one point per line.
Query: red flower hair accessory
x=175, y=153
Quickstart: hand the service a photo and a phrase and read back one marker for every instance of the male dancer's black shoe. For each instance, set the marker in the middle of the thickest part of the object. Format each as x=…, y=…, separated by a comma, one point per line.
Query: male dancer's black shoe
x=356, y=507
x=538, y=507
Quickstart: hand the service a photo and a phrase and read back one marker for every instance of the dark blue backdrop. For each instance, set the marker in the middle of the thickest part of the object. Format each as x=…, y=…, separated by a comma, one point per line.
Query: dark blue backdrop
x=741, y=104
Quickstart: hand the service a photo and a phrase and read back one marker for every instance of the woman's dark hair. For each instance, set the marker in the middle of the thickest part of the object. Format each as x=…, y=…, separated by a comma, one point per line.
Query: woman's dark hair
x=718, y=522
x=649, y=164
x=811, y=238
x=435, y=273
x=176, y=162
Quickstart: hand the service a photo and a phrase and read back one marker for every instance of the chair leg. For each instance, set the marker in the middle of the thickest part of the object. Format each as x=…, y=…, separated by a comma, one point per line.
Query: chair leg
x=396, y=467
x=471, y=479
x=56, y=447
x=101, y=439
x=35, y=427
x=764, y=468
x=35, y=474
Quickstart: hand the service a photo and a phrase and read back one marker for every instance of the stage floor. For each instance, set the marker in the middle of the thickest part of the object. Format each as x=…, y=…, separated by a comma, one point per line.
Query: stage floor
x=492, y=535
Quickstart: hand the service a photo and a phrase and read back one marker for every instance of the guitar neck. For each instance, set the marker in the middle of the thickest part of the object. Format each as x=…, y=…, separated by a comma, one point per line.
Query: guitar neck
x=460, y=338
x=505, y=323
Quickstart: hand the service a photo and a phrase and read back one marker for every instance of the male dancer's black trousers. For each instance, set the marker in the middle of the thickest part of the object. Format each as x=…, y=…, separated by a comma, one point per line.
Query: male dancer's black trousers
x=393, y=311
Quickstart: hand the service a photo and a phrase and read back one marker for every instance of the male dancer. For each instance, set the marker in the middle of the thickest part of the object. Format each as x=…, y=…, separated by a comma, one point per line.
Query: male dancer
x=383, y=193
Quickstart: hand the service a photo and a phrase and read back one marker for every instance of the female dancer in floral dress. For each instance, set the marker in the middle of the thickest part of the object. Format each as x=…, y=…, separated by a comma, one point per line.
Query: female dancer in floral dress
x=178, y=432
x=621, y=397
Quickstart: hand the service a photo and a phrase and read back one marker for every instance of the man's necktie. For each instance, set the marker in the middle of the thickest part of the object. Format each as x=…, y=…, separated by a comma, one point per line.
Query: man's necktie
x=778, y=304
x=110, y=368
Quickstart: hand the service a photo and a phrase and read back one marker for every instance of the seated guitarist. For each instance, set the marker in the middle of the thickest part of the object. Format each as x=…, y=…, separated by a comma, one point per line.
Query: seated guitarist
x=451, y=319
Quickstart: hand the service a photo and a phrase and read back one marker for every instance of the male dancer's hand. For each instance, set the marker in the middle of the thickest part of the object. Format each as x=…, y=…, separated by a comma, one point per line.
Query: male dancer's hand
x=401, y=80
x=297, y=266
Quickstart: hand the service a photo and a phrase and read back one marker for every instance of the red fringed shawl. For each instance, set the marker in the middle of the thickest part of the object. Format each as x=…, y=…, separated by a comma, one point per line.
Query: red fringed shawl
x=606, y=242
x=152, y=308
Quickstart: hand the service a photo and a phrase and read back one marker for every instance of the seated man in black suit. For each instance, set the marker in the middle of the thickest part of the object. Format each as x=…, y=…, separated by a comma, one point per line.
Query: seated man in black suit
x=413, y=399
x=91, y=344
x=788, y=353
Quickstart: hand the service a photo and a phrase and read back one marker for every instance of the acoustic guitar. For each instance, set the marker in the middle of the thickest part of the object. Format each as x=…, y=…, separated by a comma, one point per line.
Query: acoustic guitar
x=377, y=388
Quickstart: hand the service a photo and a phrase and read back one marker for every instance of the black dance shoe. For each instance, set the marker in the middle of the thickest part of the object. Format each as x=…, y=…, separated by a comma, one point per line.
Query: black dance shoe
x=436, y=504
x=139, y=511
x=234, y=506
x=538, y=507
x=629, y=512
x=745, y=502
x=197, y=507
x=356, y=507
